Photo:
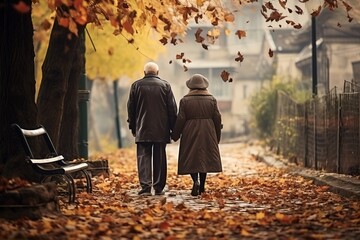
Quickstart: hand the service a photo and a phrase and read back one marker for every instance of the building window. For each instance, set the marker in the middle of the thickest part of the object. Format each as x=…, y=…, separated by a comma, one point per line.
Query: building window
x=217, y=87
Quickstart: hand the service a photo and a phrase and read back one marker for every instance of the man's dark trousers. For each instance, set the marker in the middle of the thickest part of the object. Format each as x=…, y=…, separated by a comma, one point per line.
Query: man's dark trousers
x=156, y=177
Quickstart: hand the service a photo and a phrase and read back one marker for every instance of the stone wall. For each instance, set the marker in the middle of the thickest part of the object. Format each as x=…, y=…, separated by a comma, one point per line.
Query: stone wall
x=32, y=202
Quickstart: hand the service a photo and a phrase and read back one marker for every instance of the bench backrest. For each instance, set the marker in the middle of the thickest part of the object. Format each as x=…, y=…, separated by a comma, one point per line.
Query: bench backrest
x=26, y=134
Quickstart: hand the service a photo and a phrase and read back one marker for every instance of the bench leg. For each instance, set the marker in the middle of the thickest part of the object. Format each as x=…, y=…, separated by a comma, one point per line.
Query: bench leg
x=73, y=187
x=88, y=181
x=69, y=183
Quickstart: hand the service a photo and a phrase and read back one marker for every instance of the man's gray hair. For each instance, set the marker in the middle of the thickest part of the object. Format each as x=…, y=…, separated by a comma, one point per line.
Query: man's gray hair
x=151, y=67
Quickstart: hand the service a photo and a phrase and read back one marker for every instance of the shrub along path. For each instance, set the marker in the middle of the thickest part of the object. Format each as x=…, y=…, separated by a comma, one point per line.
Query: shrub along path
x=248, y=200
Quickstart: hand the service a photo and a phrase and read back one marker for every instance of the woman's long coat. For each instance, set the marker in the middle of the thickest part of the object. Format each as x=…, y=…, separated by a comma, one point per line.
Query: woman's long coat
x=199, y=125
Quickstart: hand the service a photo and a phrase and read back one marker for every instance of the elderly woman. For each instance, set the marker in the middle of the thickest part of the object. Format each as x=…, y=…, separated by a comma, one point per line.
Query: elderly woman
x=199, y=125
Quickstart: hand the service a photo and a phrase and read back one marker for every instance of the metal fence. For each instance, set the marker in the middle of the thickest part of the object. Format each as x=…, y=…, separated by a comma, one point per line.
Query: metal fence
x=323, y=133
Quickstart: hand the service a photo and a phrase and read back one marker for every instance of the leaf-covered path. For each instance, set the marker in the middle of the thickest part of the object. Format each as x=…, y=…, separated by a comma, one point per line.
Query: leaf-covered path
x=249, y=200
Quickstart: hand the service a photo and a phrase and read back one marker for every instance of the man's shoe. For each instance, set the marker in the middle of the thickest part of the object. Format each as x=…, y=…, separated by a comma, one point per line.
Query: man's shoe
x=159, y=193
x=144, y=192
x=195, y=189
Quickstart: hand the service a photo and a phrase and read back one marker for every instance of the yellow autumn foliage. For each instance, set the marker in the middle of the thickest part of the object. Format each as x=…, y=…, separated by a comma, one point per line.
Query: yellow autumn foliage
x=109, y=56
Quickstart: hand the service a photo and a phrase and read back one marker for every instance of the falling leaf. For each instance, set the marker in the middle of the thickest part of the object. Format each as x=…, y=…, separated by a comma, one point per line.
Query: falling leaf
x=283, y=3
x=315, y=12
x=269, y=5
x=164, y=40
x=240, y=33
x=239, y=58
x=229, y=17
x=297, y=26
x=298, y=10
x=199, y=38
x=275, y=16
x=271, y=53
x=180, y=56
x=347, y=6
x=205, y=46
x=225, y=75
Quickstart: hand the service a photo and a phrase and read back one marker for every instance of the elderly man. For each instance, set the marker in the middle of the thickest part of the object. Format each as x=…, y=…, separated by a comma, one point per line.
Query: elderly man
x=151, y=115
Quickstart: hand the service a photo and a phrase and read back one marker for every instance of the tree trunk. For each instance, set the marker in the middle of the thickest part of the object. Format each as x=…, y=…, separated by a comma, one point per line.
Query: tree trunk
x=17, y=87
x=57, y=100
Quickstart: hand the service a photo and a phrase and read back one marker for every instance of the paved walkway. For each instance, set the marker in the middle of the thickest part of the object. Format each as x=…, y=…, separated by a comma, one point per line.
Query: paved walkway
x=244, y=160
x=237, y=161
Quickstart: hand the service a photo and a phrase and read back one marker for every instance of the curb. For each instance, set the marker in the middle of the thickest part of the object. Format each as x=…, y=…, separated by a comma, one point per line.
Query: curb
x=344, y=185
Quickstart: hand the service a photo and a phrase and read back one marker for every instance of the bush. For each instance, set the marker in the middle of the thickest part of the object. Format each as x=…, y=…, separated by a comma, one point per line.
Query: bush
x=263, y=105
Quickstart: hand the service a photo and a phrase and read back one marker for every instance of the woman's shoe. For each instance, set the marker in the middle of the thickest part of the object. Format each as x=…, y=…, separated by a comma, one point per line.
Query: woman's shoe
x=195, y=189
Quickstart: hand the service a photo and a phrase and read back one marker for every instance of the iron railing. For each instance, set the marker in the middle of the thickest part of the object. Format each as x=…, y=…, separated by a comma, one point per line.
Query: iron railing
x=323, y=133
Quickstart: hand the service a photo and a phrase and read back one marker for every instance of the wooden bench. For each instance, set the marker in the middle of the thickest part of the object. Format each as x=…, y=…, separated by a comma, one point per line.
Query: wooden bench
x=52, y=166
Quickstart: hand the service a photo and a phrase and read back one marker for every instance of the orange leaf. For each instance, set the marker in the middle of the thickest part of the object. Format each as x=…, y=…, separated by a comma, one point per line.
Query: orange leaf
x=229, y=17
x=315, y=12
x=200, y=2
x=240, y=33
x=22, y=7
x=64, y=22
x=164, y=226
x=260, y=215
x=138, y=228
x=279, y=216
x=73, y=27
x=245, y=233
x=128, y=27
